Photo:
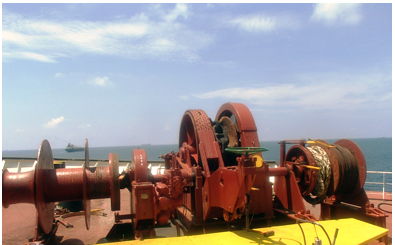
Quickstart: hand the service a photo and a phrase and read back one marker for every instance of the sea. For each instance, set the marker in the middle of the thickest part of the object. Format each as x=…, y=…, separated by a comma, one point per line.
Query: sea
x=377, y=152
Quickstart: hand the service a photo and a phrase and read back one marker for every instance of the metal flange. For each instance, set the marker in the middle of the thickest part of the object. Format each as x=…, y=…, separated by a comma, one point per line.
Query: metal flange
x=45, y=210
x=87, y=201
x=114, y=183
x=307, y=178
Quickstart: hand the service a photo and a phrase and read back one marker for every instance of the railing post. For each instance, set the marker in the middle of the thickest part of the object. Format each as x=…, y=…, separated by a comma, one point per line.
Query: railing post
x=383, y=185
x=381, y=182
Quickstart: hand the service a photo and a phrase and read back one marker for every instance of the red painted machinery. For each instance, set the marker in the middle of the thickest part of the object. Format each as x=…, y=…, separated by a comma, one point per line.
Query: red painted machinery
x=217, y=176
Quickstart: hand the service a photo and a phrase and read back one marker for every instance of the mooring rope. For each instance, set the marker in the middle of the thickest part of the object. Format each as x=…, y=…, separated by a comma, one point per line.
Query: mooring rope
x=323, y=176
x=348, y=170
x=348, y=173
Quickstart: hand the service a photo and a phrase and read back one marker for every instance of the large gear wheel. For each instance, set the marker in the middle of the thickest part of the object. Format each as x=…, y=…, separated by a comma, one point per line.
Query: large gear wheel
x=195, y=128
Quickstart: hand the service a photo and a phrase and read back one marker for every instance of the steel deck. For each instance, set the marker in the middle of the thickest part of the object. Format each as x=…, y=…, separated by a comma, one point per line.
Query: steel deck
x=19, y=221
x=351, y=231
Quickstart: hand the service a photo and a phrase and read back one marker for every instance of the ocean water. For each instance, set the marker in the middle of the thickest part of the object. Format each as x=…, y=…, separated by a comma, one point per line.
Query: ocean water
x=377, y=152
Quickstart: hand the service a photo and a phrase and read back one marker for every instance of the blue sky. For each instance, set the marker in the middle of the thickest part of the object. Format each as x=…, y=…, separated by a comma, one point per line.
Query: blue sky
x=124, y=74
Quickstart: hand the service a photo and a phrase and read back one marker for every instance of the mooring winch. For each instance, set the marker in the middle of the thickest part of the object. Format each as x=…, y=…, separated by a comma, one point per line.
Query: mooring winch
x=217, y=174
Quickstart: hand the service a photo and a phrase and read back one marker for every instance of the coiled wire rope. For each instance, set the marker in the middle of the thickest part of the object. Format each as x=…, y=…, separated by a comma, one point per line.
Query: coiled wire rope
x=348, y=170
x=323, y=176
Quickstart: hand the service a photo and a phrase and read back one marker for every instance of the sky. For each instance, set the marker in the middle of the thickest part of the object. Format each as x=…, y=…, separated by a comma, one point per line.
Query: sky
x=124, y=74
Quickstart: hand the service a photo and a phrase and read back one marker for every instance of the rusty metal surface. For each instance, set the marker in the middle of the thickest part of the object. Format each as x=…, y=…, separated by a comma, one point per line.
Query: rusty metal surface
x=197, y=178
x=55, y=185
x=140, y=165
x=21, y=191
x=18, y=223
x=358, y=155
x=65, y=184
x=298, y=155
x=143, y=207
x=244, y=121
x=288, y=193
x=224, y=189
x=196, y=131
x=191, y=122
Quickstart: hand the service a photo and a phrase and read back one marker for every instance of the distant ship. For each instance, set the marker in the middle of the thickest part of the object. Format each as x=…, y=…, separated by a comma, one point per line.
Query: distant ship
x=73, y=148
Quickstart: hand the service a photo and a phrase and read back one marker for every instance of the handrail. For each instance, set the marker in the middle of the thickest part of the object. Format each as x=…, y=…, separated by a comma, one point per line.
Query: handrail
x=379, y=183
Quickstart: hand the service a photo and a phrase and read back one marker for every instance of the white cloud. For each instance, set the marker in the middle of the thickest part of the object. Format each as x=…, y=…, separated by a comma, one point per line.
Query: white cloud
x=254, y=23
x=28, y=56
x=180, y=10
x=142, y=36
x=54, y=122
x=59, y=74
x=168, y=15
x=16, y=38
x=337, y=13
x=102, y=82
x=264, y=23
x=85, y=126
x=324, y=91
x=184, y=97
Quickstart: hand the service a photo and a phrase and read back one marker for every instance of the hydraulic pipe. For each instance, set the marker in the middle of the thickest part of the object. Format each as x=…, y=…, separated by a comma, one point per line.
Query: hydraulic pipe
x=280, y=171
